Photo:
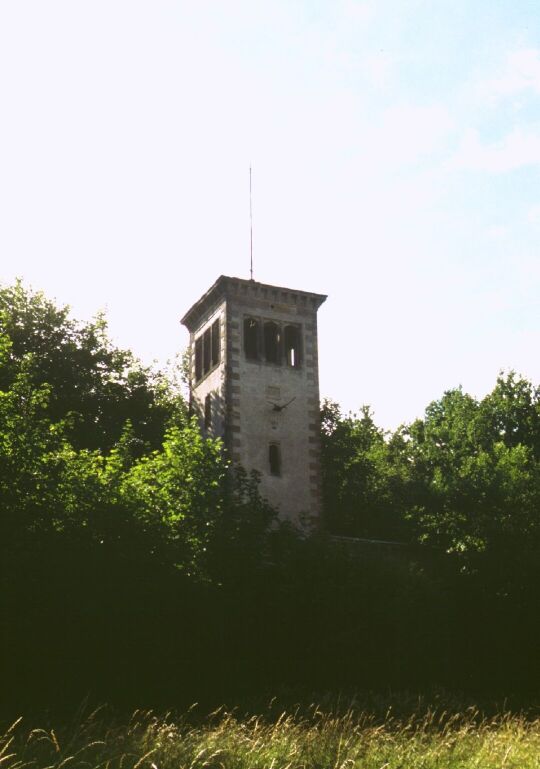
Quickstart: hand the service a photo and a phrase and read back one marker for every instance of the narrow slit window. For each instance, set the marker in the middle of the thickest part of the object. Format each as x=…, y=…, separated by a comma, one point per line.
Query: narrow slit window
x=272, y=342
x=274, y=459
x=292, y=346
x=251, y=338
x=207, y=350
x=208, y=411
x=215, y=343
x=198, y=358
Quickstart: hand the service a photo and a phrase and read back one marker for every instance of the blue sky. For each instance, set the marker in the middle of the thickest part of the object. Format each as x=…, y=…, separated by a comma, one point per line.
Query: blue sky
x=396, y=167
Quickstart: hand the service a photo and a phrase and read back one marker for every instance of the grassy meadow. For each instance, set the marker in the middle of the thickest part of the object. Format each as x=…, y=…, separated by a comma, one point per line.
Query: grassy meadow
x=293, y=739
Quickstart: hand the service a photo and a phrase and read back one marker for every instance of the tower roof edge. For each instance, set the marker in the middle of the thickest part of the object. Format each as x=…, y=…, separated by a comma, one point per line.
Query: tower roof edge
x=226, y=287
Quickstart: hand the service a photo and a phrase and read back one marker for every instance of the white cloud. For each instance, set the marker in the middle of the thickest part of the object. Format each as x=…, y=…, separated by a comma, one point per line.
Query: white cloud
x=407, y=133
x=357, y=12
x=517, y=149
x=497, y=232
x=379, y=67
x=520, y=73
x=533, y=214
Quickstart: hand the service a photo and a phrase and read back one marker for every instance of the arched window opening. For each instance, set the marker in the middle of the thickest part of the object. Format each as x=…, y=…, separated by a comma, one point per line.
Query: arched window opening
x=208, y=411
x=274, y=458
x=207, y=350
x=251, y=338
x=272, y=342
x=215, y=342
x=292, y=346
x=198, y=358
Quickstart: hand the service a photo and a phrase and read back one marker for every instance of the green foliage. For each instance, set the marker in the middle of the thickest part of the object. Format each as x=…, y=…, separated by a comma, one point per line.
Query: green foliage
x=177, y=493
x=362, y=484
x=95, y=449
x=30, y=447
x=112, y=502
x=479, y=468
x=244, y=532
x=97, y=385
x=129, y=545
x=465, y=478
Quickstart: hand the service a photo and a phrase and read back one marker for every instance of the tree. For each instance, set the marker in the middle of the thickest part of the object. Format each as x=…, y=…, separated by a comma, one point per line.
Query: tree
x=176, y=493
x=29, y=446
x=97, y=385
x=97, y=451
x=477, y=465
x=361, y=484
x=511, y=413
x=464, y=479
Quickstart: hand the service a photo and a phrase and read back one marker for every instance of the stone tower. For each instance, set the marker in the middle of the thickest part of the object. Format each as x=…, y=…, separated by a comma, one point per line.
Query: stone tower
x=254, y=382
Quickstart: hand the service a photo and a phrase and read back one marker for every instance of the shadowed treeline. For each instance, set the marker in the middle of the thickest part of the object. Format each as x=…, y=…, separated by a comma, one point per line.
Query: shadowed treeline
x=136, y=569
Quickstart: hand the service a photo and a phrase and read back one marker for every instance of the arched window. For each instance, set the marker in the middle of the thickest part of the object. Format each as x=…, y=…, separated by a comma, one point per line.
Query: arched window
x=272, y=342
x=207, y=350
x=274, y=458
x=198, y=358
x=215, y=342
x=251, y=338
x=208, y=411
x=292, y=346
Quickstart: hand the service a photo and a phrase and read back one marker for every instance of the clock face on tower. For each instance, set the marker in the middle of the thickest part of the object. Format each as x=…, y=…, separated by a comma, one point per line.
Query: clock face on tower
x=281, y=407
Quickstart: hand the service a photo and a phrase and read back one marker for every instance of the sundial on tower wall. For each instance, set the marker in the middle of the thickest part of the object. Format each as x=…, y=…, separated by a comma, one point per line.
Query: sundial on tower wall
x=254, y=381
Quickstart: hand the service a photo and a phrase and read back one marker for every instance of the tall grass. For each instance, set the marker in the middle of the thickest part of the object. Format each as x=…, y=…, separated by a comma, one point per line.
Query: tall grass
x=294, y=740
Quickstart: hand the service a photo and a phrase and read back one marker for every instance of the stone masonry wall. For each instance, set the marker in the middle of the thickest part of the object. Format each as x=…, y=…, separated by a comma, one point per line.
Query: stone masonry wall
x=243, y=391
x=214, y=383
x=253, y=423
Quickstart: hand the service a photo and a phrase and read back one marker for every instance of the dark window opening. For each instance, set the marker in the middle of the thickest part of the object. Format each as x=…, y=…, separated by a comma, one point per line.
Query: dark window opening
x=207, y=350
x=274, y=458
x=272, y=339
x=215, y=343
x=292, y=346
x=198, y=358
x=251, y=338
x=208, y=411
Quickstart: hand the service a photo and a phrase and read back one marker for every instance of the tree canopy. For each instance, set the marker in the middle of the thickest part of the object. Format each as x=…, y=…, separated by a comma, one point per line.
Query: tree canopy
x=464, y=479
x=129, y=544
x=93, y=385
x=96, y=448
